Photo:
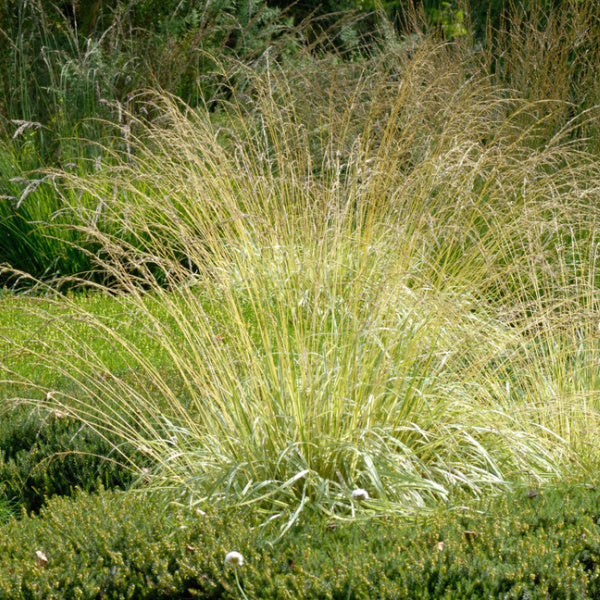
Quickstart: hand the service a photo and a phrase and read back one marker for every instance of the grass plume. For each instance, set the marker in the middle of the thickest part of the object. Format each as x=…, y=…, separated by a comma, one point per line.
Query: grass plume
x=384, y=286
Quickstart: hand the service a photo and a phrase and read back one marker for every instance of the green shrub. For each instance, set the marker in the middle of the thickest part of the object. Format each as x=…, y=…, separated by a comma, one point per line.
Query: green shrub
x=116, y=545
x=45, y=454
x=531, y=544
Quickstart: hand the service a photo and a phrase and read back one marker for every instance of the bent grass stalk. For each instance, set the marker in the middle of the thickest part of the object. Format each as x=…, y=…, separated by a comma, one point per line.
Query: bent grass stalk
x=372, y=317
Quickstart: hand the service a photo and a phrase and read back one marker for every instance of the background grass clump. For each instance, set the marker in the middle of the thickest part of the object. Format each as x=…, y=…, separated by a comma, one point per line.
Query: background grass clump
x=68, y=80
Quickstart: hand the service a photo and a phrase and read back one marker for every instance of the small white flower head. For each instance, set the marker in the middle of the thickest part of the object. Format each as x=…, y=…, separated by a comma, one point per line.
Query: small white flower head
x=359, y=494
x=235, y=559
x=41, y=560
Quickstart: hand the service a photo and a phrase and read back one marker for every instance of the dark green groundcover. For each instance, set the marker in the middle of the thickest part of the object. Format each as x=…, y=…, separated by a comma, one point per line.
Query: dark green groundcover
x=115, y=544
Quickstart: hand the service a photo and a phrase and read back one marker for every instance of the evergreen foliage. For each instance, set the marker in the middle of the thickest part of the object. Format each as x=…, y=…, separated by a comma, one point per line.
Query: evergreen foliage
x=115, y=545
x=43, y=454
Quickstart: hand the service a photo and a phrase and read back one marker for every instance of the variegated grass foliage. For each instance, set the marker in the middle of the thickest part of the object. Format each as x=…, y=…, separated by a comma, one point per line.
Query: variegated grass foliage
x=380, y=281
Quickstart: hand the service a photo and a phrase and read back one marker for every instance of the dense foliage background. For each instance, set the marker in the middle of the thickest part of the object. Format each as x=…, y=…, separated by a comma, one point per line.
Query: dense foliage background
x=70, y=71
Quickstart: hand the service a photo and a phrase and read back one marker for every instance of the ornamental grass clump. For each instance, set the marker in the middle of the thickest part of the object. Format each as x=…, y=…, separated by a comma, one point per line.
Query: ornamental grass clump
x=379, y=286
